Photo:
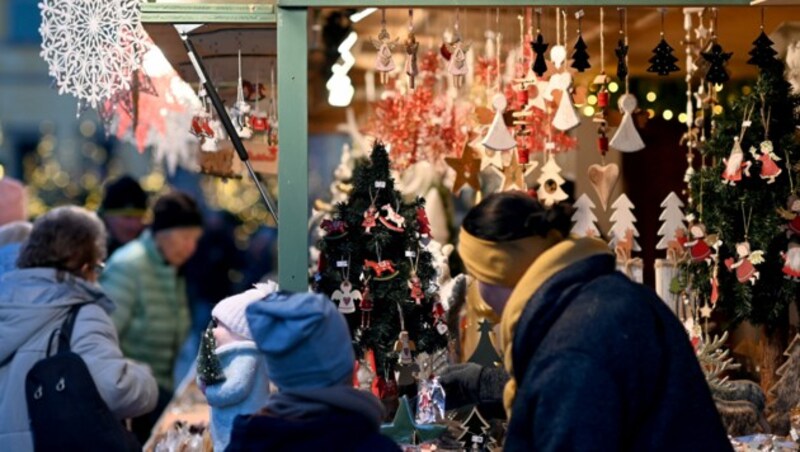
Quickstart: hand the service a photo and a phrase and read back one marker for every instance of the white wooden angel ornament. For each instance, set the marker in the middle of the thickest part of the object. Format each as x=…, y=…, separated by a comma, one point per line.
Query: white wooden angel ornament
x=457, y=65
x=566, y=117
x=626, y=138
x=346, y=297
x=498, y=138
x=384, y=62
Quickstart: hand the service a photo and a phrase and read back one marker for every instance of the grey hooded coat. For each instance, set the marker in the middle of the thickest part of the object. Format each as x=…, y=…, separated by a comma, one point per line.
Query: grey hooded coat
x=33, y=302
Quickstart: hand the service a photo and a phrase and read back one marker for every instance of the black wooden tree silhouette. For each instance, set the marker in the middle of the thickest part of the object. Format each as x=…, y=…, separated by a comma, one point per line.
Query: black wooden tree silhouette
x=762, y=54
x=475, y=432
x=580, y=57
x=663, y=61
x=485, y=354
x=717, y=60
x=622, y=48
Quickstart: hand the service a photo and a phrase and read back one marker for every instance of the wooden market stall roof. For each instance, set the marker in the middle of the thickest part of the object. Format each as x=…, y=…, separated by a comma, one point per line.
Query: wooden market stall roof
x=291, y=24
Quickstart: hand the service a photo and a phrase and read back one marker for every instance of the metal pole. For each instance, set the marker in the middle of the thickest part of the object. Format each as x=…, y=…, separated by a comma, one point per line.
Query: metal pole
x=197, y=62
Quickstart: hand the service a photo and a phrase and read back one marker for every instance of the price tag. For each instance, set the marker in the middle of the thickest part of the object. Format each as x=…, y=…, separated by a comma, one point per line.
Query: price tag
x=380, y=184
x=477, y=439
x=550, y=146
x=341, y=264
x=410, y=253
x=747, y=123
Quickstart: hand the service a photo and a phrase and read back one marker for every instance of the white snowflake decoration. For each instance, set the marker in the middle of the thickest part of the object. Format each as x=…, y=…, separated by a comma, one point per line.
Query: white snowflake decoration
x=92, y=47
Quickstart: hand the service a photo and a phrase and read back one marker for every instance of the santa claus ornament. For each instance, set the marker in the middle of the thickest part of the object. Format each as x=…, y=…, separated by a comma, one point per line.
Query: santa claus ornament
x=736, y=165
x=384, y=62
x=791, y=261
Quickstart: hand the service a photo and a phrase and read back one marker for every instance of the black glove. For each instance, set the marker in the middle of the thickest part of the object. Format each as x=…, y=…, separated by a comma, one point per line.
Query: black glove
x=471, y=384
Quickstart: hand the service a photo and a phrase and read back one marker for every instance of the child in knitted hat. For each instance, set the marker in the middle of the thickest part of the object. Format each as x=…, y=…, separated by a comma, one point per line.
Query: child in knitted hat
x=242, y=385
x=309, y=354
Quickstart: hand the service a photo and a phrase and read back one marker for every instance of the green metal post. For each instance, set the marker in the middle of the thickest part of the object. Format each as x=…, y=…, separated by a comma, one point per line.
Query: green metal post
x=293, y=139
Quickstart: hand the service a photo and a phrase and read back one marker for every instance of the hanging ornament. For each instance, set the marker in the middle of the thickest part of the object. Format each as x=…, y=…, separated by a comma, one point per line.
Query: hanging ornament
x=384, y=62
x=663, y=61
x=626, y=138
x=457, y=64
x=498, y=138
x=371, y=214
x=393, y=220
x=414, y=283
x=762, y=54
x=622, y=48
x=439, y=314
x=550, y=181
x=259, y=121
x=467, y=168
x=769, y=169
x=566, y=117
x=735, y=164
x=381, y=266
x=412, y=46
x=346, y=296
x=366, y=306
x=539, y=47
x=716, y=59
x=601, y=82
x=240, y=113
x=791, y=261
x=584, y=220
x=423, y=224
x=580, y=57
x=603, y=179
x=514, y=174
x=744, y=266
x=334, y=229
x=404, y=346
x=792, y=214
x=699, y=250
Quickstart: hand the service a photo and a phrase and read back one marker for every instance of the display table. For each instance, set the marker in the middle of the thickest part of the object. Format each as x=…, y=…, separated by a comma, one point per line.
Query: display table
x=188, y=407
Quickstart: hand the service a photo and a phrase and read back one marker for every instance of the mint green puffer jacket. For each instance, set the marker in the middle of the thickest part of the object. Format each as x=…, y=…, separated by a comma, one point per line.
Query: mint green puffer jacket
x=152, y=314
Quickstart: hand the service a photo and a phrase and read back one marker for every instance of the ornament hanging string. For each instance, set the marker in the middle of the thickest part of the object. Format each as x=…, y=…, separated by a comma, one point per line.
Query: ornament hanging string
x=564, y=15
x=627, y=62
x=558, y=26
x=498, y=44
x=345, y=271
x=602, y=43
x=402, y=320
x=747, y=219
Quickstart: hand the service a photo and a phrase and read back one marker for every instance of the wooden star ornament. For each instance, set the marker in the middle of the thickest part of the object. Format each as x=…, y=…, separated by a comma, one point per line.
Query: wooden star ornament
x=515, y=174
x=467, y=168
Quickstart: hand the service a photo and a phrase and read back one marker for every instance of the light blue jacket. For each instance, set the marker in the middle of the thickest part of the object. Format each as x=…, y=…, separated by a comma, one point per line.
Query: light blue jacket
x=244, y=391
x=8, y=257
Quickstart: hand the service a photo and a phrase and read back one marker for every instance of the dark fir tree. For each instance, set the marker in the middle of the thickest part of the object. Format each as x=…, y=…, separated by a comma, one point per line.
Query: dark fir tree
x=580, y=57
x=720, y=208
x=762, y=53
x=379, y=264
x=717, y=61
x=663, y=61
x=209, y=369
x=485, y=354
x=622, y=59
x=539, y=48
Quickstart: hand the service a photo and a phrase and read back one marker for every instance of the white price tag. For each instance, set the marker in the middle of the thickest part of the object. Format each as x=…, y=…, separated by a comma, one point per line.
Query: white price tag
x=550, y=146
x=411, y=254
x=341, y=264
x=747, y=123
x=380, y=184
x=477, y=439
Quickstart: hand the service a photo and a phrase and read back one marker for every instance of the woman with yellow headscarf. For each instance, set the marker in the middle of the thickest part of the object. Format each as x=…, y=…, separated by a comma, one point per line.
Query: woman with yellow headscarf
x=596, y=361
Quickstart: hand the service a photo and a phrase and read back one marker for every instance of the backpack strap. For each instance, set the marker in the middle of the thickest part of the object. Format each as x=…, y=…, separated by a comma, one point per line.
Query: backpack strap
x=65, y=331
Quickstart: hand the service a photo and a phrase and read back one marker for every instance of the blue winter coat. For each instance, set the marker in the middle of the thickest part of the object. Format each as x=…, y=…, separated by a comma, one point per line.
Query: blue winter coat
x=601, y=364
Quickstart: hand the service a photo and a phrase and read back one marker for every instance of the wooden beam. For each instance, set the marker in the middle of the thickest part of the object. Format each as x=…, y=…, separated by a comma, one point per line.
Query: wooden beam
x=501, y=3
x=204, y=13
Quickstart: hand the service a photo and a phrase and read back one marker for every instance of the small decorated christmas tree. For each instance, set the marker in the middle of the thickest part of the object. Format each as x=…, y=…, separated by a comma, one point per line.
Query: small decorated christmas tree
x=762, y=54
x=376, y=269
x=209, y=369
x=584, y=218
x=663, y=61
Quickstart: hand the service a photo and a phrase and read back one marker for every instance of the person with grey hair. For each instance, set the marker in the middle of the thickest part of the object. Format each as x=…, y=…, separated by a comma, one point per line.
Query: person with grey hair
x=58, y=268
x=12, y=235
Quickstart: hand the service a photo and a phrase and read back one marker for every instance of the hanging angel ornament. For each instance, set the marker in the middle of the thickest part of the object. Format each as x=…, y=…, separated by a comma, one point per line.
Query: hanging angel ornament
x=791, y=261
x=621, y=51
x=457, y=63
x=626, y=138
x=384, y=61
x=539, y=48
x=498, y=138
x=412, y=46
x=699, y=249
x=346, y=297
x=769, y=169
x=792, y=215
x=566, y=117
x=744, y=266
x=240, y=113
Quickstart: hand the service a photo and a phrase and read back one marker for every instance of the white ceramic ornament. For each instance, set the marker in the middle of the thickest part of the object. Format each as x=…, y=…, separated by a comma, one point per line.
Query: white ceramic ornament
x=499, y=138
x=626, y=138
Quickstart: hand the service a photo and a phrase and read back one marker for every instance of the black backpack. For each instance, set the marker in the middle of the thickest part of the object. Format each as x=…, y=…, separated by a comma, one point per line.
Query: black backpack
x=65, y=409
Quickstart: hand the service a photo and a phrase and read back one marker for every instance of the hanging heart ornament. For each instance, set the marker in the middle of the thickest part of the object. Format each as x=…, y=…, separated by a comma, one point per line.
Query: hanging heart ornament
x=603, y=179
